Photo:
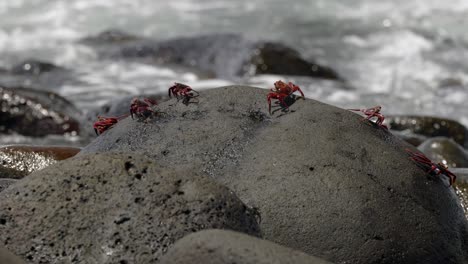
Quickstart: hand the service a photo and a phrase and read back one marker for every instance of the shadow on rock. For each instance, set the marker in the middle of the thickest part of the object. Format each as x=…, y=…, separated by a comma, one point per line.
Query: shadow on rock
x=223, y=247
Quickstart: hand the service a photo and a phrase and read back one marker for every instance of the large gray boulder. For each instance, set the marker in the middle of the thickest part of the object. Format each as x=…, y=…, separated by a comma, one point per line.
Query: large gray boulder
x=223, y=247
x=325, y=182
x=113, y=208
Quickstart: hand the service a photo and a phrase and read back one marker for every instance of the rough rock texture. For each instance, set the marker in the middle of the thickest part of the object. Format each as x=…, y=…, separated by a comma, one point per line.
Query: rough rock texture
x=442, y=149
x=324, y=181
x=4, y=183
x=18, y=161
x=430, y=126
x=36, y=113
x=225, y=55
x=113, y=208
x=223, y=247
x=6, y=257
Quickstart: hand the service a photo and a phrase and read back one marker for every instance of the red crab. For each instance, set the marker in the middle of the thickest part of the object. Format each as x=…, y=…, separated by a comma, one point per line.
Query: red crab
x=430, y=167
x=143, y=109
x=105, y=123
x=373, y=112
x=183, y=91
x=281, y=92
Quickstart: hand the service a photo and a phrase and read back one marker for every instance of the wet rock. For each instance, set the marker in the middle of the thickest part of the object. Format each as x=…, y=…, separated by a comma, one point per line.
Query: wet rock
x=226, y=55
x=18, y=161
x=10, y=173
x=6, y=257
x=430, y=126
x=220, y=246
x=442, y=149
x=410, y=137
x=34, y=67
x=110, y=36
x=36, y=113
x=324, y=182
x=113, y=208
x=4, y=183
x=39, y=75
x=275, y=58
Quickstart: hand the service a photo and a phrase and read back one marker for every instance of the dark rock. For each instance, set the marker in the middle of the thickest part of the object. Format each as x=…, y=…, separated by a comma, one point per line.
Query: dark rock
x=409, y=137
x=219, y=247
x=430, y=126
x=113, y=208
x=325, y=182
x=275, y=58
x=6, y=257
x=109, y=36
x=34, y=67
x=4, y=183
x=39, y=75
x=10, y=173
x=19, y=161
x=442, y=149
x=225, y=55
x=36, y=113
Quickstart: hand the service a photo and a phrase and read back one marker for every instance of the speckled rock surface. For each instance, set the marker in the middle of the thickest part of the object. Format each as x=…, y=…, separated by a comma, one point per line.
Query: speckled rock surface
x=442, y=149
x=113, y=208
x=324, y=181
x=225, y=247
x=18, y=161
x=4, y=183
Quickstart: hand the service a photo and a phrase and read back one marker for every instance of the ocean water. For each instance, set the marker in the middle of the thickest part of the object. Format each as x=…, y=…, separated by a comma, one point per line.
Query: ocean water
x=410, y=56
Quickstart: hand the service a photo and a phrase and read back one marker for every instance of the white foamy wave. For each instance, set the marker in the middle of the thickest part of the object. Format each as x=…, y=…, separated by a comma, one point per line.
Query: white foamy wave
x=398, y=44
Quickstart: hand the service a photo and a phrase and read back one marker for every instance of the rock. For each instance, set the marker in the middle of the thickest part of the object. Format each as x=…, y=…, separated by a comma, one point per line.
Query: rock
x=34, y=67
x=226, y=55
x=116, y=108
x=121, y=106
x=36, y=113
x=442, y=149
x=325, y=182
x=219, y=246
x=110, y=36
x=22, y=160
x=5, y=183
x=430, y=126
x=275, y=58
x=409, y=137
x=113, y=208
x=6, y=257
